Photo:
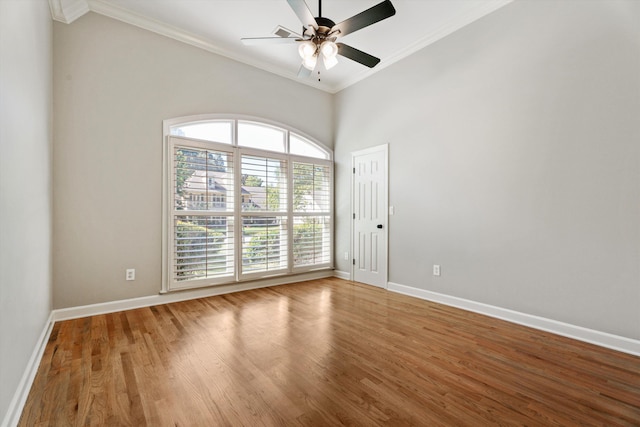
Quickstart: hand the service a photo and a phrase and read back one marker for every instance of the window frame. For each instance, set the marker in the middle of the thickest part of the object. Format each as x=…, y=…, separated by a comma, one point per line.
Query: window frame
x=168, y=212
x=171, y=211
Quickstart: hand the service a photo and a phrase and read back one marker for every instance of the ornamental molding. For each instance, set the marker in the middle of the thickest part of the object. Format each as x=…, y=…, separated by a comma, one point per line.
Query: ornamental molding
x=67, y=11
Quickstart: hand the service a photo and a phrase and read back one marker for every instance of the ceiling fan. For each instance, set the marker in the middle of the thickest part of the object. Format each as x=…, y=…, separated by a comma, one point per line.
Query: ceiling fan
x=319, y=35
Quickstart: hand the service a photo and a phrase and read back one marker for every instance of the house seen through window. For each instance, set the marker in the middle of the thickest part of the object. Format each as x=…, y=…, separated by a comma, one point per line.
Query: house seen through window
x=247, y=200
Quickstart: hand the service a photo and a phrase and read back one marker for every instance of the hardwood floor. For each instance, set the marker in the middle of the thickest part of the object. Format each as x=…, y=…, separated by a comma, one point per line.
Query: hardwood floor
x=327, y=352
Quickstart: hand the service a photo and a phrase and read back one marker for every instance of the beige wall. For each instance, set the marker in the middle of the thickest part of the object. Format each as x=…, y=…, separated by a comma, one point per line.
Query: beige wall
x=114, y=84
x=514, y=162
x=25, y=188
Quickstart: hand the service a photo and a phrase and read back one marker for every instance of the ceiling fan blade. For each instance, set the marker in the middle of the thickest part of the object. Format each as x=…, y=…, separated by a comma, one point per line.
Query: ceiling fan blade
x=370, y=16
x=304, y=72
x=259, y=41
x=304, y=14
x=357, y=55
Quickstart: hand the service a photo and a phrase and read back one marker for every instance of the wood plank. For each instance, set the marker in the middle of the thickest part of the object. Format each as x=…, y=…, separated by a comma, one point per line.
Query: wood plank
x=325, y=352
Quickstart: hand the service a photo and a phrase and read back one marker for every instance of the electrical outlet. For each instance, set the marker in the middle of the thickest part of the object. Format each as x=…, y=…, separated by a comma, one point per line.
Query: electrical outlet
x=131, y=274
x=436, y=270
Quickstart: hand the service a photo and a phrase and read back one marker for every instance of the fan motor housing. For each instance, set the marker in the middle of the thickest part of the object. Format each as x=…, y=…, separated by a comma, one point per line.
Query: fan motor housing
x=324, y=25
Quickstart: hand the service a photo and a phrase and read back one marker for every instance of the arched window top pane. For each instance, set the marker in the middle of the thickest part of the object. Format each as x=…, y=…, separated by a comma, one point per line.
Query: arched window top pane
x=216, y=131
x=248, y=132
x=261, y=136
x=303, y=147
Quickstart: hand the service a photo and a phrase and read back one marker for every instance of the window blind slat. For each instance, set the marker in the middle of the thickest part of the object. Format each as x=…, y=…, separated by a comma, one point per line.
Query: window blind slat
x=311, y=240
x=203, y=179
x=264, y=245
x=311, y=187
x=203, y=247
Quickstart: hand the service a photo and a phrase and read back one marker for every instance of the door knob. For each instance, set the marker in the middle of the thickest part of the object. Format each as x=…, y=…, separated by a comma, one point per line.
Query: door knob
x=379, y=225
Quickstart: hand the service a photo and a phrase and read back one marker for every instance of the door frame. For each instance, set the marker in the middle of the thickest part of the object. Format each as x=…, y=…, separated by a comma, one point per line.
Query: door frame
x=384, y=148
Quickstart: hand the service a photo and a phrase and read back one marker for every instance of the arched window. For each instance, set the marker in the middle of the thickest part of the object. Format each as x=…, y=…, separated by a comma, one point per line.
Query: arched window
x=244, y=199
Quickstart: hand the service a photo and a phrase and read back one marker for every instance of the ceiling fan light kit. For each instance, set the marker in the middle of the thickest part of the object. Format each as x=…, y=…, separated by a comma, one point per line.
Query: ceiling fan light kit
x=309, y=50
x=319, y=35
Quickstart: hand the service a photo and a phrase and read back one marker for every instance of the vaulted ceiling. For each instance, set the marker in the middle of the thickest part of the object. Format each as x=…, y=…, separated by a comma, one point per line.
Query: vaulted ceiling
x=218, y=26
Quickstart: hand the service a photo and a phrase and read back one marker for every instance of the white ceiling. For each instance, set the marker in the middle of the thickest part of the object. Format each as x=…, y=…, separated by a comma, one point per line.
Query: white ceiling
x=218, y=26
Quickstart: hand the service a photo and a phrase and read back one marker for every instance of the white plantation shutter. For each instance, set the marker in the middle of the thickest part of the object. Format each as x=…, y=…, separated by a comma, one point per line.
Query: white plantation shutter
x=240, y=206
x=311, y=214
x=264, y=227
x=202, y=215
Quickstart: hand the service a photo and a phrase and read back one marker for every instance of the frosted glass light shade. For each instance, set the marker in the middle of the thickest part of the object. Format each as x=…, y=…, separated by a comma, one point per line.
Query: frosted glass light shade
x=329, y=49
x=329, y=54
x=310, y=62
x=306, y=49
x=330, y=62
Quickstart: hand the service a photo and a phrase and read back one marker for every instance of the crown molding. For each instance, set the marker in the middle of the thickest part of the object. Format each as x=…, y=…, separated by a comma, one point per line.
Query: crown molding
x=67, y=11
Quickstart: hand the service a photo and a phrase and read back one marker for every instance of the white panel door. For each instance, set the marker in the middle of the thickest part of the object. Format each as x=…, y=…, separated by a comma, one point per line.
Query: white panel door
x=370, y=216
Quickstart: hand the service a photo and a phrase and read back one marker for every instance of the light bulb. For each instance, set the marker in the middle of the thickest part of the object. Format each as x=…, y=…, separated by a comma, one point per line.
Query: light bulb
x=329, y=49
x=306, y=49
x=310, y=62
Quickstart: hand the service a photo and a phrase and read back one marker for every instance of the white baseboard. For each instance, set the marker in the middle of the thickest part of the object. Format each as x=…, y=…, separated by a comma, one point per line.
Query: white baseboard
x=12, y=417
x=603, y=339
x=342, y=275
x=129, y=304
